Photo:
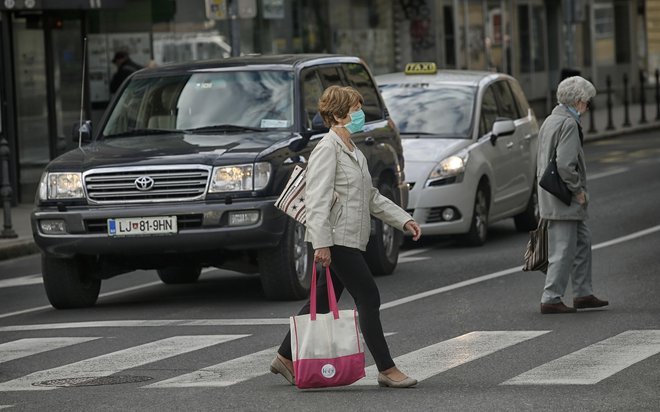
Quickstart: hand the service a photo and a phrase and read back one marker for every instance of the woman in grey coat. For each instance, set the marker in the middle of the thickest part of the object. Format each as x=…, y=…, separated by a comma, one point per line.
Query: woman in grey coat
x=569, y=238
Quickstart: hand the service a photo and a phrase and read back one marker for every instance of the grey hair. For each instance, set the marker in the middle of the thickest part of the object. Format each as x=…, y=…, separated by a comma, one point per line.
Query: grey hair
x=575, y=89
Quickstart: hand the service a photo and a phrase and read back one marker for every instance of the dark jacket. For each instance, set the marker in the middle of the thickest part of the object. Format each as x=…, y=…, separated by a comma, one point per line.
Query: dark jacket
x=123, y=71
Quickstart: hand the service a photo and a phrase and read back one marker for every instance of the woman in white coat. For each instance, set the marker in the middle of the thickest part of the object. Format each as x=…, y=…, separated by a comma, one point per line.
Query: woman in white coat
x=569, y=238
x=339, y=233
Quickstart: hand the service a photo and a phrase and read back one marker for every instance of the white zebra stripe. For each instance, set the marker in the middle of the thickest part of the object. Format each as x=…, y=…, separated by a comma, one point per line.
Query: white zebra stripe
x=440, y=357
x=595, y=362
x=225, y=373
x=111, y=363
x=31, y=346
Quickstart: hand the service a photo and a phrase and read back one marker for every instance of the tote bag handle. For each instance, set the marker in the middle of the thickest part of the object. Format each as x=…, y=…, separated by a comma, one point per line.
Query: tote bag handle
x=332, y=300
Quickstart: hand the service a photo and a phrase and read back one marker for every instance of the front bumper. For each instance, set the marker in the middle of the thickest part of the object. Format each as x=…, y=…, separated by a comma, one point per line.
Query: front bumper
x=427, y=203
x=202, y=226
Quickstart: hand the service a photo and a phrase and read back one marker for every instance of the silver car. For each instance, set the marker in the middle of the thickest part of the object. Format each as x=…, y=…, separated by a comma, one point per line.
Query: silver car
x=469, y=141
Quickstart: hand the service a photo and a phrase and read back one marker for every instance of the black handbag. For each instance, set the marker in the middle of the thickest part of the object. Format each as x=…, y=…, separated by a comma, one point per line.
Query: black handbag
x=553, y=183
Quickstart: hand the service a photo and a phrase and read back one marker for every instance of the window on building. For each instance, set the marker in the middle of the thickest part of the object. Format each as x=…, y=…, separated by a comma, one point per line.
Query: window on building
x=622, y=31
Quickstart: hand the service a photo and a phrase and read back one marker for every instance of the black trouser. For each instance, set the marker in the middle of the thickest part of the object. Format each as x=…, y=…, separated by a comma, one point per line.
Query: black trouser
x=349, y=269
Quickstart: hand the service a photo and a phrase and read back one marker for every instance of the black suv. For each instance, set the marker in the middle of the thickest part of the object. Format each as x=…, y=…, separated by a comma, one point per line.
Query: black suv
x=184, y=170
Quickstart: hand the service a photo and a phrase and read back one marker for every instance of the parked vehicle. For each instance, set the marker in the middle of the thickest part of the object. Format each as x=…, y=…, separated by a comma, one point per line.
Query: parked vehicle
x=183, y=171
x=469, y=143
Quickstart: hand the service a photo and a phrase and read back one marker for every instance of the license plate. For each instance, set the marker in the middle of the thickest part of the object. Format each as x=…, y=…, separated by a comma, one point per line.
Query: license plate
x=141, y=226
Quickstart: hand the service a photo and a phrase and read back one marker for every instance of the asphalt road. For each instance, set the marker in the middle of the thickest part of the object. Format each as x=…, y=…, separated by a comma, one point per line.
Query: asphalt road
x=465, y=321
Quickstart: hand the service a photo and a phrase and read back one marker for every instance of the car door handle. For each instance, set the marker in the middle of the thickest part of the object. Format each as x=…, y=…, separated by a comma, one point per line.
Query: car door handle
x=369, y=141
x=509, y=145
x=527, y=136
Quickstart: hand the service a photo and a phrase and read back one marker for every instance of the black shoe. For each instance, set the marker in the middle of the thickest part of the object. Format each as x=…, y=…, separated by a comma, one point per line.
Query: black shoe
x=590, y=301
x=547, y=308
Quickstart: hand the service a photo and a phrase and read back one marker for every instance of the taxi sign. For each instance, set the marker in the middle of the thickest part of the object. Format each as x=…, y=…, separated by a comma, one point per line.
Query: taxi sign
x=421, y=68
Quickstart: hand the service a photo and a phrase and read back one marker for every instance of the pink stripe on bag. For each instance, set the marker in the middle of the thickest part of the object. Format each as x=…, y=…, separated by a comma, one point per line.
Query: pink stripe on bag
x=319, y=373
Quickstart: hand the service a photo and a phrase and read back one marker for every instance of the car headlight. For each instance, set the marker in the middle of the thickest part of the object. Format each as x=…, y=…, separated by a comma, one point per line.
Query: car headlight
x=61, y=185
x=237, y=178
x=452, y=166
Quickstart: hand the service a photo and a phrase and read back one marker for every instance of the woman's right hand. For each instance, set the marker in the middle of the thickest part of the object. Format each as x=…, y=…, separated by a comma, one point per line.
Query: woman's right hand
x=322, y=256
x=581, y=198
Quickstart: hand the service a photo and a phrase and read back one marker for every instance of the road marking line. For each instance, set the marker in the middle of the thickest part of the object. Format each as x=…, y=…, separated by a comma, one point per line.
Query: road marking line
x=408, y=299
x=594, y=363
x=31, y=346
x=440, y=357
x=411, y=252
x=21, y=281
x=6, y=406
x=102, y=295
x=225, y=373
x=608, y=173
x=413, y=259
x=111, y=363
x=148, y=323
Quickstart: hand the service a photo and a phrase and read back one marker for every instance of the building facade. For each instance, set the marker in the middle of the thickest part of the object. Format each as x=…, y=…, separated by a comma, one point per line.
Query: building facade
x=537, y=41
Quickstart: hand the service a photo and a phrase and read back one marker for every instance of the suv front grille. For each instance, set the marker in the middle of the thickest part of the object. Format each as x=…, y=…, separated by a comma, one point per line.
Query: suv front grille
x=163, y=184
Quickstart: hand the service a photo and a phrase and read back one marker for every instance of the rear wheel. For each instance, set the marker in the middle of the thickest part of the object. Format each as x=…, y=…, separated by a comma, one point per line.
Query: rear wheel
x=529, y=219
x=286, y=269
x=382, y=254
x=176, y=275
x=479, y=225
x=68, y=282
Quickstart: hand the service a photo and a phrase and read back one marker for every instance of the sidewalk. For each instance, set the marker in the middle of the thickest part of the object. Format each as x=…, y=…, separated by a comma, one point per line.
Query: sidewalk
x=20, y=215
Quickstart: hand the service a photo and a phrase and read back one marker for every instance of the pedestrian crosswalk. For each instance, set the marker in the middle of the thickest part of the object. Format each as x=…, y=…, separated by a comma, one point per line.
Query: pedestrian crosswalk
x=589, y=365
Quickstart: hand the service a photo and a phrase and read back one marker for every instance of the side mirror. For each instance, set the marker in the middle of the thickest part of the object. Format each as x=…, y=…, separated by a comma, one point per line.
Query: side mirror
x=502, y=127
x=82, y=131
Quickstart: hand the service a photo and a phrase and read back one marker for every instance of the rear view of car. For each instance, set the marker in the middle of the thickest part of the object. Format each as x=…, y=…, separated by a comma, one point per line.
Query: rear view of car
x=469, y=143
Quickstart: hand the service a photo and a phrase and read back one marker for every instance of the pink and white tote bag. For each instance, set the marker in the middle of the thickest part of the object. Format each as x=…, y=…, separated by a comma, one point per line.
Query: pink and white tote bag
x=327, y=348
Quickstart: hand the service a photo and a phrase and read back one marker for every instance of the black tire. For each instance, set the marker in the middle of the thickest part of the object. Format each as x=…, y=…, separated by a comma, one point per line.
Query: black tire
x=529, y=219
x=68, y=283
x=479, y=226
x=177, y=275
x=286, y=270
x=382, y=254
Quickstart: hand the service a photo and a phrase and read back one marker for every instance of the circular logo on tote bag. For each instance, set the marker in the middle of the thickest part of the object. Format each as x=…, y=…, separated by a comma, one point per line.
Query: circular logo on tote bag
x=328, y=371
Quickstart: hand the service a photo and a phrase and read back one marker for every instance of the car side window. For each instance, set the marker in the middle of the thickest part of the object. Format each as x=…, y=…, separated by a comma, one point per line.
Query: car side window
x=359, y=78
x=521, y=100
x=312, y=88
x=489, y=112
x=508, y=107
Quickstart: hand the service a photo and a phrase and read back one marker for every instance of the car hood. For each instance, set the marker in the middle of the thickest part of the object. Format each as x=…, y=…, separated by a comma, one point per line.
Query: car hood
x=423, y=154
x=175, y=148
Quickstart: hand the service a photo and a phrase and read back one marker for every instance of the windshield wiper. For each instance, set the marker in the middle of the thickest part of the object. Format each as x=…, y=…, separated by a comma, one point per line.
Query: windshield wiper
x=142, y=132
x=417, y=135
x=225, y=128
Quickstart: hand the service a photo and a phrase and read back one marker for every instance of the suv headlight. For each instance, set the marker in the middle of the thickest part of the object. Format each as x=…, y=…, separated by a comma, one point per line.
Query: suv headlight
x=61, y=185
x=452, y=166
x=237, y=178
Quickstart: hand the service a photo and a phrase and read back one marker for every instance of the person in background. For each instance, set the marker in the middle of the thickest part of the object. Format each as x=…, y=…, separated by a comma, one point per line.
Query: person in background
x=339, y=233
x=125, y=67
x=569, y=238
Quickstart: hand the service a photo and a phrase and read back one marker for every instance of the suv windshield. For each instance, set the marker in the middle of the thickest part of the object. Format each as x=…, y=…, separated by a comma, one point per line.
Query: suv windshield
x=431, y=110
x=228, y=101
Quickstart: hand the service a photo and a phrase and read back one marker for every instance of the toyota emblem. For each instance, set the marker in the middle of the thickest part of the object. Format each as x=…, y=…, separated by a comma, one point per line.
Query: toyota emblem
x=144, y=183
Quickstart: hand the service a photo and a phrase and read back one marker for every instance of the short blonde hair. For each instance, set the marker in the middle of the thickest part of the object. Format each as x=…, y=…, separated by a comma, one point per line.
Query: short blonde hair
x=575, y=89
x=337, y=101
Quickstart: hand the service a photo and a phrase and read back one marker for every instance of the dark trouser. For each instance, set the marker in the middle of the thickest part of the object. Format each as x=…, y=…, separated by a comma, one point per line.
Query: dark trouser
x=349, y=269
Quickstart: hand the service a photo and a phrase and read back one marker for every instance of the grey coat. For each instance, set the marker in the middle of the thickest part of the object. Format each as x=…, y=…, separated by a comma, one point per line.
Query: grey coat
x=333, y=168
x=560, y=131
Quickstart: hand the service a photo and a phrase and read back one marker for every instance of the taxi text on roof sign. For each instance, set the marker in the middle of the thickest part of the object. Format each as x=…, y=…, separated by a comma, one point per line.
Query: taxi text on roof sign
x=421, y=68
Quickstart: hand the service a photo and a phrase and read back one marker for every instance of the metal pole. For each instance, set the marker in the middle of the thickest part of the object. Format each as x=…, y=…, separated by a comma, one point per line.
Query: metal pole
x=610, y=124
x=626, y=120
x=5, y=190
x=235, y=28
x=592, y=115
x=642, y=97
